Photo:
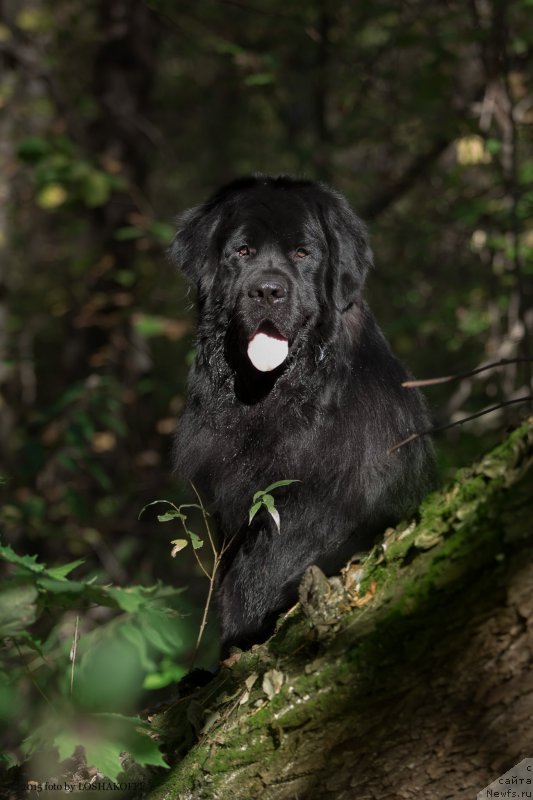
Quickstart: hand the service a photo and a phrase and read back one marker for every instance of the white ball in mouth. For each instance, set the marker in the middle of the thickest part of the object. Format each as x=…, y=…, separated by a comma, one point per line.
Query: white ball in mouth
x=267, y=352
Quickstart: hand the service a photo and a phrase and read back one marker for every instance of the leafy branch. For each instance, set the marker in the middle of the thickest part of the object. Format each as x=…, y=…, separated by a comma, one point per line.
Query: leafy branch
x=261, y=499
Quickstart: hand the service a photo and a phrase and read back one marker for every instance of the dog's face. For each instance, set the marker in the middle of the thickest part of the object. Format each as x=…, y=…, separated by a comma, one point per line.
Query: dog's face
x=272, y=260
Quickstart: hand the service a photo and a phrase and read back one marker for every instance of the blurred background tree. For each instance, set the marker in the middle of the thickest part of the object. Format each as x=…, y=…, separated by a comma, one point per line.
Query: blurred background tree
x=117, y=114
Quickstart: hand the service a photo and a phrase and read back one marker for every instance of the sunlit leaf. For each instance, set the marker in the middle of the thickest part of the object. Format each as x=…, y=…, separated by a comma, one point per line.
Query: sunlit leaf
x=52, y=196
x=179, y=545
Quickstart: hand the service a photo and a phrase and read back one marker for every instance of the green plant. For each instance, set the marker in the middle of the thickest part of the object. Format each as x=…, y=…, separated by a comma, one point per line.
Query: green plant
x=73, y=661
x=261, y=499
x=176, y=512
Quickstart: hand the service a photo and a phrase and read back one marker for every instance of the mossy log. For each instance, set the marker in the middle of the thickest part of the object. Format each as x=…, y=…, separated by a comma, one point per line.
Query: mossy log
x=408, y=676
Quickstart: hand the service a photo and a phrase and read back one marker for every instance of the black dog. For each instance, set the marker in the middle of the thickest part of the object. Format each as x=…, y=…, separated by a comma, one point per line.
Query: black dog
x=293, y=380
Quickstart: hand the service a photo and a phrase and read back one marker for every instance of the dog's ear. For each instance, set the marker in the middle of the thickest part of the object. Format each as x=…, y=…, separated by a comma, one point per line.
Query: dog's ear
x=190, y=248
x=350, y=255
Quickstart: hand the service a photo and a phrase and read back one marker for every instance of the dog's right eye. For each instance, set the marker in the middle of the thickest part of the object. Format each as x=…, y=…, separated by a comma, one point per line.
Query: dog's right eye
x=244, y=250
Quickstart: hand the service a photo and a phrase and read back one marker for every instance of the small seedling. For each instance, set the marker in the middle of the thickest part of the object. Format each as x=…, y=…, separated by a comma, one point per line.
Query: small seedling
x=264, y=499
x=176, y=513
x=260, y=499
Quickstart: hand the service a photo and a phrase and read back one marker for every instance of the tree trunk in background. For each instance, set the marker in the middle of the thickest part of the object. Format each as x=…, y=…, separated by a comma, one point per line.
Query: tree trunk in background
x=121, y=139
x=9, y=88
x=410, y=677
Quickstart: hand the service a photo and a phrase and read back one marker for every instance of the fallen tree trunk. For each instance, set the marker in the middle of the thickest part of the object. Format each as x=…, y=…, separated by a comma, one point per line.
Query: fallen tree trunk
x=409, y=676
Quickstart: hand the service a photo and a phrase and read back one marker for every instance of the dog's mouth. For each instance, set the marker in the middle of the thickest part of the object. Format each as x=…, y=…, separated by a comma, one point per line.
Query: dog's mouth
x=267, y=347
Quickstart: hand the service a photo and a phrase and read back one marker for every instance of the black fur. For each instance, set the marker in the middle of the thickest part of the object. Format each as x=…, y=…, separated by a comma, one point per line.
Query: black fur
x=326, y=417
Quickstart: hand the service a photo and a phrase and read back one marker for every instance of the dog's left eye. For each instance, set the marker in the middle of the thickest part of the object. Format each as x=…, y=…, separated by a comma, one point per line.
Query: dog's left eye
x=301, y=252
x=244, y=250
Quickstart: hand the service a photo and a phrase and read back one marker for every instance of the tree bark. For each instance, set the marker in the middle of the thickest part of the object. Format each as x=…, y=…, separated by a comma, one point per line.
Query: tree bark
x=120, y=137
x=408, y=676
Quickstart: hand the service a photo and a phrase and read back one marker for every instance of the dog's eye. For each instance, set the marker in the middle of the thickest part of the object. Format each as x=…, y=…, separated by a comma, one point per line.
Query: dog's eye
x=244, y=250
x=301, y=252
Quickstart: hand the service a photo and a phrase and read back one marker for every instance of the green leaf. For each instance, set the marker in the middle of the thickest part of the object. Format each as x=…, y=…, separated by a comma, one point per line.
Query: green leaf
x=195, y=540
x=162, y=231
x=95, y=189
x=105, y=737
x=130, y=599
x=268, y=502
x=253, y=511
x=18, y=610
x=179, y=545
x=149, y=325
x=259, y=79
x=169, y=672
x=125, y=277
x=52, y=195
x=66, y=743
x=274, y=513
x=63, y=570
x=277, y=484
x=129, y=232
x=28, y=562
x=104, y=754
x=170, y=515
x=132, y=633
x=32, y=149
x=160, y=630
x=143, y=748
x=60, y=586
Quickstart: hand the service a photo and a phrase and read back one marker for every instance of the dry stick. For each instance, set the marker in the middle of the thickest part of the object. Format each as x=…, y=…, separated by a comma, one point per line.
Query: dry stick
x=460, y=375
x=440, y=428
x=216, y=563
x=206, y=612
x=73, y=653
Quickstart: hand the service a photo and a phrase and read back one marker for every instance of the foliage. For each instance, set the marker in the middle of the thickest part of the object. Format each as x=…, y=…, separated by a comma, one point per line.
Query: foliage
x=48, y=702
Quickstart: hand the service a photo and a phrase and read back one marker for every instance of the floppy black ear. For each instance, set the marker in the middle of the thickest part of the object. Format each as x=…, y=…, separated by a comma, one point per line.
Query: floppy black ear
x=190, y=247
x=350, y=254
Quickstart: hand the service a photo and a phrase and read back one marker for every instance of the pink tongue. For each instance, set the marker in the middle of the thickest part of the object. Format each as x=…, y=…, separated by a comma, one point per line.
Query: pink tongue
x=266, y=352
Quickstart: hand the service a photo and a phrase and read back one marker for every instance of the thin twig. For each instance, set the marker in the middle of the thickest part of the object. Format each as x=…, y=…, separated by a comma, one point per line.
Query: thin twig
x=206, y=610
x=199, y=562
x=206, y=523
x=216, y=563
x=460, y=375
x=73, y=652
x=441, y=428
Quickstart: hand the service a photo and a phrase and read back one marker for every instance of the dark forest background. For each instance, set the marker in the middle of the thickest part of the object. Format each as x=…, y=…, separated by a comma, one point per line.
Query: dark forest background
x=117, y=114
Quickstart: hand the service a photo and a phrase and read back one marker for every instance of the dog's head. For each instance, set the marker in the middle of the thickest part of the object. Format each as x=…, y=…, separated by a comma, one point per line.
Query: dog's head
x=272, y=259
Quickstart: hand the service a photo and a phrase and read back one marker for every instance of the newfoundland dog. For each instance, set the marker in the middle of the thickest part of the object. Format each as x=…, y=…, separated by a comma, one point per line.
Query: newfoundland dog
x=293, y=381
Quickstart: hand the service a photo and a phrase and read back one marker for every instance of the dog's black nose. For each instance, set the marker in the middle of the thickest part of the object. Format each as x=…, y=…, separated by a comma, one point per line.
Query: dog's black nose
x=268, y=291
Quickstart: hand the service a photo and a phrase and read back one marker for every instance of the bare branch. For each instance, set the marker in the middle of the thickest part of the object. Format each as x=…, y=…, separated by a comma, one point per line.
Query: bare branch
x=441, y=428
x=460, y=375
